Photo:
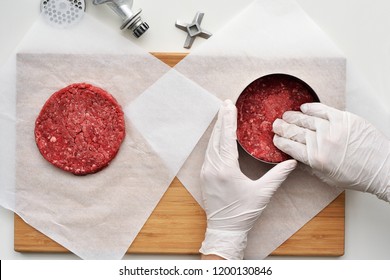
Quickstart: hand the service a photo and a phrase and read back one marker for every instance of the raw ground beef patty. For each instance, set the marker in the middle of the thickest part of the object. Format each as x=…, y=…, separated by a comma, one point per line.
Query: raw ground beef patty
x=80, y=129
x=260, y=104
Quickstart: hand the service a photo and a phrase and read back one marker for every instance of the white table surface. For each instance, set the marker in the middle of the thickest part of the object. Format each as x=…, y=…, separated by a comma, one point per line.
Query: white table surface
x=359, y=27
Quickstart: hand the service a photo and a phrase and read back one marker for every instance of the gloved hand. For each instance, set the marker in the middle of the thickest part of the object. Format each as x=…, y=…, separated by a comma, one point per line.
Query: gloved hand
x=232, y=201
x=343, y=149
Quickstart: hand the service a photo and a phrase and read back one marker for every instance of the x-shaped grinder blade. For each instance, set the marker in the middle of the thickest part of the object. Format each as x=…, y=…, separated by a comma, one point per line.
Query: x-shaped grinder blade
x=193, y=30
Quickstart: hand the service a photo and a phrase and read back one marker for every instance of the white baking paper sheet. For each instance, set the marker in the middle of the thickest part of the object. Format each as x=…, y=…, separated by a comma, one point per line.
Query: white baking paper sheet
x=95, y=216
x=172, y=115
x=270, y=36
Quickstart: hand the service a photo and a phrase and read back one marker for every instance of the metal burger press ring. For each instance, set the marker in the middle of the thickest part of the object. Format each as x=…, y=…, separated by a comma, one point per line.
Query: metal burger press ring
x=130, y=19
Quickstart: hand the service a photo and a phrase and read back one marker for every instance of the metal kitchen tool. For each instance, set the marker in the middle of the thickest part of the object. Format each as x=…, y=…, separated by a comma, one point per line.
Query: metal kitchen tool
x=131, y=20
x=62, y=13
x=272, y=106
x=193, y=30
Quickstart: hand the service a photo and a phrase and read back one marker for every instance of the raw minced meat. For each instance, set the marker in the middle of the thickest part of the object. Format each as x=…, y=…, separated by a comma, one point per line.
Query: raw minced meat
x=260, y=104
x=80, y=129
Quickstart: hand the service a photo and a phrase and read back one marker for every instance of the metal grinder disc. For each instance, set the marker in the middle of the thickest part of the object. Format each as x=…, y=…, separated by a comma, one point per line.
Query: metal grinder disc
x=62, y=13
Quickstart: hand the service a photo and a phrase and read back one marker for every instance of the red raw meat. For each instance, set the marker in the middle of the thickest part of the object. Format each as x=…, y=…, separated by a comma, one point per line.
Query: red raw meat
x=260, y=104
x=80, y=129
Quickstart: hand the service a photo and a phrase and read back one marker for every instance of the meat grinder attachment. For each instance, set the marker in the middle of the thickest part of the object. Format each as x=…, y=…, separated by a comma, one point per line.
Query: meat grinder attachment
x=131, y=20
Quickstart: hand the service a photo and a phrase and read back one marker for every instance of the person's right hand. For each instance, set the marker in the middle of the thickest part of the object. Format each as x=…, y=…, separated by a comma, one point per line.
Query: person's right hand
x=342, y=148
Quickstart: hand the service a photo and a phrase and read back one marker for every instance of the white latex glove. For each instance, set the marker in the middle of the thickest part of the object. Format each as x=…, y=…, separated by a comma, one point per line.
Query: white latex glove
x=232, y=201
x=342, y=148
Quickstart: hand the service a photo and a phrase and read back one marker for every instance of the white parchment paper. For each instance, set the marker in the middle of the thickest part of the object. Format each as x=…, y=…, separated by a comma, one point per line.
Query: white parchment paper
x=95, y=216
x=172, y=115
x=270, y=36
x=98, y=215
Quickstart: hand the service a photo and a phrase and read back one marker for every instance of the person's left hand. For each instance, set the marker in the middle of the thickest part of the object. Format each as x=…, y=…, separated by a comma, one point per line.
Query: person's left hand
x=232, y=201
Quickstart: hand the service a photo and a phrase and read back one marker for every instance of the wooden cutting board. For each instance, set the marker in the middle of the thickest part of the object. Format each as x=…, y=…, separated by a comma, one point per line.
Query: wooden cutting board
x=178, y=223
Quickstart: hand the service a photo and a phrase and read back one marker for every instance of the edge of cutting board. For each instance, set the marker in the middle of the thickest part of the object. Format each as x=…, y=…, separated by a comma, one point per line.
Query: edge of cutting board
x=321, y=236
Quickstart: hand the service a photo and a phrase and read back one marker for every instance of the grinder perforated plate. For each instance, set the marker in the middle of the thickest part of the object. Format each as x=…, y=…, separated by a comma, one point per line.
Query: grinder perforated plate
x=62, y=13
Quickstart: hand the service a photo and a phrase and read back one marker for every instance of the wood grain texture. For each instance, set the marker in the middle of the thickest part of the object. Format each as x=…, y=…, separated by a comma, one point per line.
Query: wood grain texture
x=178, y=223
x=171, y=59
